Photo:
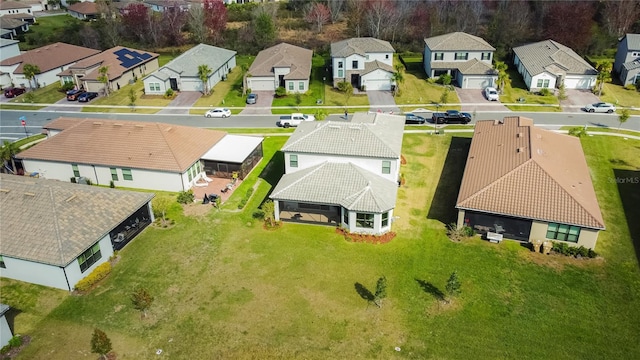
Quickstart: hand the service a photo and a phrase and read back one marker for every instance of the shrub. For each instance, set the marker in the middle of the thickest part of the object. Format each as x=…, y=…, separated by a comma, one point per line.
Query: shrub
x=246, y=198
x=242, y=203
x=15, y=341
x=566, y=250
x=67, y=86
x=458, y=234
x=281, y=91
x=544, y=92
x=168, y=94
x=630, y=87
x=258, y=214
x=186, y=197
x=444, y=79
x=321, y=114
x=577, y=131
x=88, y=181
x=96, y=275
x=112, y=184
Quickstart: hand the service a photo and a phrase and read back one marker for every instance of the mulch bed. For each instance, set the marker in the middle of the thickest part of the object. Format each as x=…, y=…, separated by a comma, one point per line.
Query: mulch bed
x=11, y=354
x=366, y=238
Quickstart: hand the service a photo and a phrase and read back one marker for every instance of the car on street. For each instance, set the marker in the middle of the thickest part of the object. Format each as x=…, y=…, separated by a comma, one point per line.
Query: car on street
x=252, y=98
x=13, y=92
x=72, y=95
x=451, y=117
x=410, y=118
x=218, y=113
x=491, y=94
x=600, y=107
x=87, y=96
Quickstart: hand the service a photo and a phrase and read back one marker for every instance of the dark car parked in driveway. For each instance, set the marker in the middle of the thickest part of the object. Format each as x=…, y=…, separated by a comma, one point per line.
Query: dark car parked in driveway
x=252, y=98
x=414, y=119
x=87, y=96
x=73, y=94
x=13, y=92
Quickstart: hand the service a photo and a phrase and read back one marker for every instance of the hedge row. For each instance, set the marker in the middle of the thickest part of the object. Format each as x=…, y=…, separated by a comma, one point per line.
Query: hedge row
x=96, y=275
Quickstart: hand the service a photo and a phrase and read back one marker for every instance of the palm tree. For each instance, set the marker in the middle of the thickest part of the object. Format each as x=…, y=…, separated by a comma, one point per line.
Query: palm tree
x=104, y=78
x=604, y=74
x=398, y=78
x=7, y=151
x=204, y=71
x=245, y=73
x=501, y=67
x=30, y=71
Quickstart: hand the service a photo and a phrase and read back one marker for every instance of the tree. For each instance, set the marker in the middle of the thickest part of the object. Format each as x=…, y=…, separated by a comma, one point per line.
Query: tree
x=453, y=285
x=108, y=23
x=318, y=14
x=204, y=71
x=381, y=291
x=160, y=205
x=620, y=15
x=623, y=117
x=100, y=343
x=355, y=16
x=104, y=78
x=141, y=300
x=245, y=73
x=30, y=71
x=347, y=89
x=398, y=78
x=8, y=150
x=132, y=98
x=501, y=67
x=215, y=18
x=196, y=24
x=444, y=97
x=604, y=74
x=378, y=15
x=570, y=23
x=173, y=20
x=135, y=19
x=269, y=213
x=335, y=8
x=264, y=27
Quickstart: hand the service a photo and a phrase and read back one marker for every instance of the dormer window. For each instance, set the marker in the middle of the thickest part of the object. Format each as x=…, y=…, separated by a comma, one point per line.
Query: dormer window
x=354, y=64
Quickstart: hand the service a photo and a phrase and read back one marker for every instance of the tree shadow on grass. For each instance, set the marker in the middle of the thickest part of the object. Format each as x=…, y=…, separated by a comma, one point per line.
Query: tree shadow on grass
x=429, y=288
x=628, y=182
x=364, y=292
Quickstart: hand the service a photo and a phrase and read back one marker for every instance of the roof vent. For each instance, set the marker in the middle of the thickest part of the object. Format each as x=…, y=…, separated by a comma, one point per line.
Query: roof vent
x=520, y=149
x=117, y=124
x=140, y=126
x=334, y=126
x=498, y=122
x=520, y=135
x=71, y=198
x=97, y=123
x=30, y=194
x=4, y=190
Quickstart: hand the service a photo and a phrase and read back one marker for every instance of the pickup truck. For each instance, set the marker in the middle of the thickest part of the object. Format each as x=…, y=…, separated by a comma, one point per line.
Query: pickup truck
x=451, y=116
x=294, y=120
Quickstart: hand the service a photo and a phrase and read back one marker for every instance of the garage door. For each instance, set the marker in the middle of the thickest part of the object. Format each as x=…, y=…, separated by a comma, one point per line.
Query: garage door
x=582, y=82
x=260, y=84
x=190, y=85
x=378, y=85
x=476, y=82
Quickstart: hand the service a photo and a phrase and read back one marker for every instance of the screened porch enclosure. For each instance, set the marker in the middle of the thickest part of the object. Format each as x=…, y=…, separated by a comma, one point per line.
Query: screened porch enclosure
x=309, y=213
x=233, y=154
x=510, y=228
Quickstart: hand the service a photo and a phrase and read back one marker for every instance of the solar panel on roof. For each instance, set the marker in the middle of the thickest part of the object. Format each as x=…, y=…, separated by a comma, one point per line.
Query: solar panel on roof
x=129, y=58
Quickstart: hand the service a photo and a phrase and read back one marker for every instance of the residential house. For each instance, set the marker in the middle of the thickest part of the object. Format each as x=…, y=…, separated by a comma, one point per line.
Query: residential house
x=12, y=27
x=181, y=73
x=15, y=7
x=528, y=183
x=57, y=232
x=5, y=331
x=84, y=10
x=366, y=63
x=139, y=155
x=342, y=173
x=50, y=59
x=124, y=65
x=547, y=64
x=467, y=58
x=627, y=63
x=9, y=48
x=6, y=34
x=163, y=5
x=284, y=65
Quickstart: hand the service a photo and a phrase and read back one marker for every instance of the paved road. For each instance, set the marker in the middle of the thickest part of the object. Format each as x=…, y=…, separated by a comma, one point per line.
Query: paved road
x=10, y=128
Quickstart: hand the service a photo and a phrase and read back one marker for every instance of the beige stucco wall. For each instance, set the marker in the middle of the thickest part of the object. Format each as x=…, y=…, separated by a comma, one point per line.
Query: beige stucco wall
x=587, y=238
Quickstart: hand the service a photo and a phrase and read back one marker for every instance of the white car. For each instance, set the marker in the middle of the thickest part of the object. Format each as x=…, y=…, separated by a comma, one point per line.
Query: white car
x=601, y=107
x=491, y=94
x=218, y=113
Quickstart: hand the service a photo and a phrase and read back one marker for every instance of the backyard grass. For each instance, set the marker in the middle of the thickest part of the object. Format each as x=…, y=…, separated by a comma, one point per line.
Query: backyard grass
x=225, y=288
x=45, y=95
x=417, y=90
x=121, y=98
x=44, y=28
x=226, y=93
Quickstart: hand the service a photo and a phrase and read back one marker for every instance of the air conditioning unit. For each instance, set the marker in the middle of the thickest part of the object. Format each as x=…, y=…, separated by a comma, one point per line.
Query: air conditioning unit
x=81, y=180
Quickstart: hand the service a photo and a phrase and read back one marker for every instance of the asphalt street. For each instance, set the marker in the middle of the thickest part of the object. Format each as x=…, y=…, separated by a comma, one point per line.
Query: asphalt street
x=11, y=128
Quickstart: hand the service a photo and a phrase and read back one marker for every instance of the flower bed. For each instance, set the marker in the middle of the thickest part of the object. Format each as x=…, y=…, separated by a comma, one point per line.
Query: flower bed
x=366, y=238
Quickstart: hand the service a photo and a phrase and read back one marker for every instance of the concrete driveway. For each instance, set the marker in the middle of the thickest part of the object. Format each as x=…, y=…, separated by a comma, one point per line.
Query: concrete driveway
x=262, y=106
x=63, y=105
x=181, y=104
x=383, y=101
x=474, y=100
x=577, y=99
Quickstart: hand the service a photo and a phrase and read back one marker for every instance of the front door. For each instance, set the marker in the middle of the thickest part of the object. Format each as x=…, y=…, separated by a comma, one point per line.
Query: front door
x=355, y=80
x=281, y=80
x=174, y=84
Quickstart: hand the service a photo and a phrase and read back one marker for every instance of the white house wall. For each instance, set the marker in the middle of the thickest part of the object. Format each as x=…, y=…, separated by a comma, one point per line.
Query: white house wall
x=579, y=81
x=377, y=223
x=5, y=332
x=296, y=86
x=533, y=83
x=9, y=51
x=373, y=165
x=386, y=58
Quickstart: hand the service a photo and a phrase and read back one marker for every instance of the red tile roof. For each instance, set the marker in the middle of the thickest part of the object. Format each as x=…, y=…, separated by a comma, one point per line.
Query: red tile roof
x=50, y=57
x=86, y=8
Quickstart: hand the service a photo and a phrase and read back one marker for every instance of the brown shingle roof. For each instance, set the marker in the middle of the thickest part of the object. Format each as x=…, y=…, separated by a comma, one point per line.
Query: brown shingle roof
x=516, y=169
x=9, y=5
x=86, y=8
x=283, y=55
x=113, y=58
x=53, y=222
x=128, y=144
x=50, y=57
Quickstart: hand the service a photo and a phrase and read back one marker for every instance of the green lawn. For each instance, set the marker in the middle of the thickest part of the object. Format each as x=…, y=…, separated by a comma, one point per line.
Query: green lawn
x=45, y=28
x=620, y=96
x=45, y=95
x=121, y=98
x=417, y=90
x=225, y=288
x=516, y=89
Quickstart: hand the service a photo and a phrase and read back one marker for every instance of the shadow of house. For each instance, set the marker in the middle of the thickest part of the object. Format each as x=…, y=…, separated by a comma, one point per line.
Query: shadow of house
x=429, y=288
x=628, y=182
x=272, y=173
x=444, y=200
x=364, y=293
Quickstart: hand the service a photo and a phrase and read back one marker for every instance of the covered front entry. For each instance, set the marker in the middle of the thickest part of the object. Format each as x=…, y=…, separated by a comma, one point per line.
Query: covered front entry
x=510, y=228
x=309, y=213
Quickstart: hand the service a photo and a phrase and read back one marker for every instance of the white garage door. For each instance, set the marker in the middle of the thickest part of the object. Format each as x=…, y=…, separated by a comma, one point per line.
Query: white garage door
x=256, y=84
x=579, y=82
x=190, y=85
x=476, y=82
x=378, y=85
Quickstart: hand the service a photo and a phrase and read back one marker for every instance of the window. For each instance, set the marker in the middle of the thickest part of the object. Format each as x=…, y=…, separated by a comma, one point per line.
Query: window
x=340, y=65
x=126, y=174
x=89, y=257
x=563, y=232
x=114, y=174
x=300, y=85
x=291, y=85
x=438, y=56
x=367, y=57
x=486, y=56
x=340, y=73
x=2, y=265
x=385, y=219
x=345, y=216
x=154, y=86
x=354, y=64
x=190, y=173
x=386, y=56
x=364, y=220
x=293, y=160
x=543, y=83
x=386, y=167
x=76, y=171
x=462, y=56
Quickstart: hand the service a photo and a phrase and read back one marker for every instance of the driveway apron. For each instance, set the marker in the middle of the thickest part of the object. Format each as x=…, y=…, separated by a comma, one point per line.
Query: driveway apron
x=262, y=106
x=577, y=99
x=64, y=105
x=383, y=101
x=474, y=100
x=182, y=103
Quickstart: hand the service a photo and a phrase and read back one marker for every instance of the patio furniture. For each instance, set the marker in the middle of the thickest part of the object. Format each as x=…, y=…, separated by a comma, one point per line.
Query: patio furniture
x=494, y=237
x=498, y=228
x=119, y=238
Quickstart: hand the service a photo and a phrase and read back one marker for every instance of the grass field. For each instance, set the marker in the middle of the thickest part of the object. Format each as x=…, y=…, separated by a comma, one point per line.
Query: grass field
x=225, y=288
x=45, y=27
x=416, y=89
x=45, y=95
x=121, y=98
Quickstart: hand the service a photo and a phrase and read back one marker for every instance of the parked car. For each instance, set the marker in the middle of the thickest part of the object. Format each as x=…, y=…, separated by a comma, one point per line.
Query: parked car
x=601, y=107
x=13, y=92
x=451, y=116
x=72, y=95
x=218, y=113
x=294, y=119
x=87, y=96
x=252, y=98
x=491, y=94
x=410, y=118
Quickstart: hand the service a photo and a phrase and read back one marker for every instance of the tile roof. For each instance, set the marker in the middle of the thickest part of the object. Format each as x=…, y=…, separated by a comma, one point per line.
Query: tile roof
x=457, y=41
x=19, y=16
x=367, y=135
x=370, y=66
x=119, y=59
x=9, y=5
x=187, y=63
x=351, y=187
x=517, y=169
x=360, y=46
x=632, y=65
x=53, y=222
x=6, y=42
x=283, y=55
x=553, y=57
x=633, y=42
x=86, y=8
x=128, y=144
x=3, y=309
x=50, y=57
x=470, y=67
x=7, y=22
